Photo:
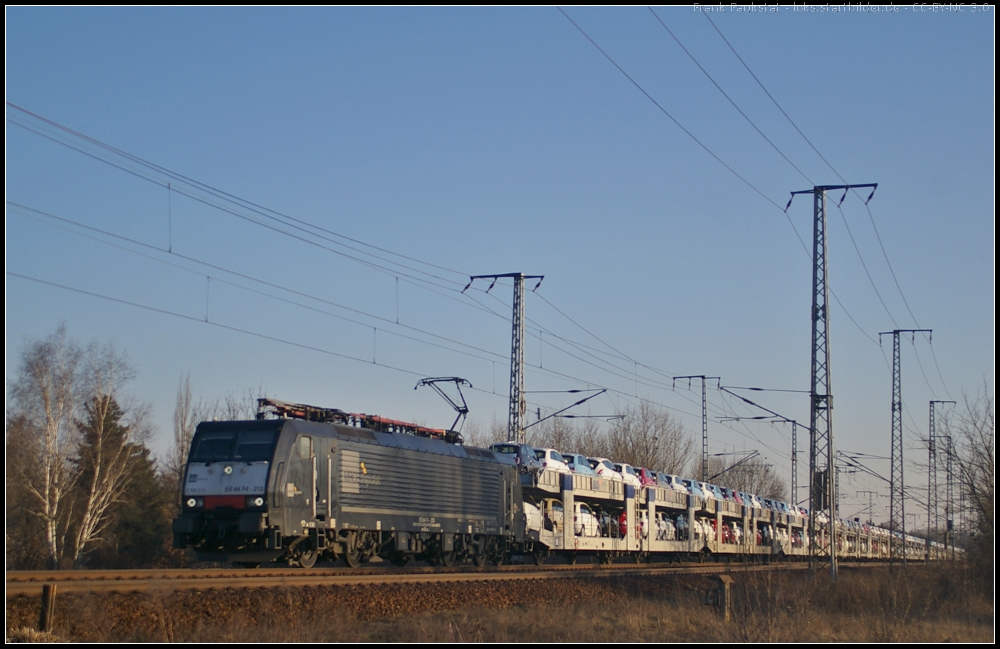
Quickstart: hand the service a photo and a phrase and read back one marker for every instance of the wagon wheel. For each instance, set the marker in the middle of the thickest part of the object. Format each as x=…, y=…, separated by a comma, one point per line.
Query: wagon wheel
x=399, y=559
x=479, y=559
x=571, y=558
x=449, y=559
x=540, y=556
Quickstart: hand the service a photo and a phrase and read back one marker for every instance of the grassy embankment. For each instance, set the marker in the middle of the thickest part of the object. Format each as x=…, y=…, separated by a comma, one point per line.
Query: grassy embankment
x=923, y=604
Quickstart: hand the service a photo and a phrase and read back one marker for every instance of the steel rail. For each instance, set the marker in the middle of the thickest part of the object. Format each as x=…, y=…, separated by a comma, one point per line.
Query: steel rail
x=31, y=582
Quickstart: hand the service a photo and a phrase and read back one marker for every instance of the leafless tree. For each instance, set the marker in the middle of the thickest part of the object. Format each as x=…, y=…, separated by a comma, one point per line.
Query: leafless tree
x=186, y=417
x=111, y=426
x=476, y=435
x=77, y=431
x=975, y=453
x=753, y=477
x=649, y=437
x=553, y=433
x=236, y=406
x=45, y=394
x=24, y=538
x=591, y=440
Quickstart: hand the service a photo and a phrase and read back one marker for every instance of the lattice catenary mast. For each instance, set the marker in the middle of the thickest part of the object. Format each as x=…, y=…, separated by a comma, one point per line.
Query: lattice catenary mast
x=822, y=494
x=932, y=483
x=897, y=488
x=704, y=420
x=518, y=406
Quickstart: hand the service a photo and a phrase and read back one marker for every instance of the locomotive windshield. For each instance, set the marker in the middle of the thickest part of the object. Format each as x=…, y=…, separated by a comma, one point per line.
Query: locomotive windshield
x=509, y=449
x=239, y=445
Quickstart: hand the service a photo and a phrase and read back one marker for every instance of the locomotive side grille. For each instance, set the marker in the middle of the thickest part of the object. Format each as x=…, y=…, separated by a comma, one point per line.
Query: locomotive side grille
x=398, y=479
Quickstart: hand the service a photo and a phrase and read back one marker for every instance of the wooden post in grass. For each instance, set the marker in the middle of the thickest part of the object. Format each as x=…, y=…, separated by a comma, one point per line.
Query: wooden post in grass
x=48, y=608
x=724, y=598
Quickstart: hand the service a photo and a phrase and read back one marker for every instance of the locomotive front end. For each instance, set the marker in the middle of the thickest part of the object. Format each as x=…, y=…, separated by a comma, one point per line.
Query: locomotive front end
x=225, y=495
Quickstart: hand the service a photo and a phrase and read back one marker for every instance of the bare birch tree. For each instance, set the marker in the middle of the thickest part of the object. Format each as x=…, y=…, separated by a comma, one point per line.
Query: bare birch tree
x=84, y=431
x=45, y=394
x=107, y=450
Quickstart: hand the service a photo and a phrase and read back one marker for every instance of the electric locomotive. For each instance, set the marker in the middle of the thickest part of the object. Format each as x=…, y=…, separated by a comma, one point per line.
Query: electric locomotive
x=302, y=483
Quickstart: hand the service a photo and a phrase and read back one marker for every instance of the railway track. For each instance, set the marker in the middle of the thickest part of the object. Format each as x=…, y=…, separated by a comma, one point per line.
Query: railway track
x=32, y=582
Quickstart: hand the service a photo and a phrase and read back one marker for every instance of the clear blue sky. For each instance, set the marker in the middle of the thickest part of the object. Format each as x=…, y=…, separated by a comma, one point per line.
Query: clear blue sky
x=494, y=140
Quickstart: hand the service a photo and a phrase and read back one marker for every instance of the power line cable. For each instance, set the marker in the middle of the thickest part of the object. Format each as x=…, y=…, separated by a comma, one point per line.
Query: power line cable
x=33, y=213
x=220, y=195
x=201, y=320
x=733, y=49
x=413, y=280
x=871, y=218
x=716, y=157
x=265, y=336
x=234, y=212
x=260, y=209
x=730, y=99
x=674, y=119
x=22, y=209
x=889, y=264
x=871, y=281
x=622, y=355
x=25, y=210
x=921, y=366
x=938, y=367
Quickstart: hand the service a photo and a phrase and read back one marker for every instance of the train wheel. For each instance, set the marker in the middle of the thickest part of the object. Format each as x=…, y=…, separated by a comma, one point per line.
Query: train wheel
x=571, y=558
x=479, y=560
x=352, y=558
x=449, y=559
x=493, y=551
x=540, y=556
x=352, y=554
x=307, y=558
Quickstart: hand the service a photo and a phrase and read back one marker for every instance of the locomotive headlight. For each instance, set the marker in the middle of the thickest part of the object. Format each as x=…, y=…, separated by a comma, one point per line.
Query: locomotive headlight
x=191, y=502
x=228, y=470
x=195, y=502
x=255, y=501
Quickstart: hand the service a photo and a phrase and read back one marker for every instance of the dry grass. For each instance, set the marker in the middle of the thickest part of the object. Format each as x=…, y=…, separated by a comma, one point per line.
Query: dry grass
x=924, y=604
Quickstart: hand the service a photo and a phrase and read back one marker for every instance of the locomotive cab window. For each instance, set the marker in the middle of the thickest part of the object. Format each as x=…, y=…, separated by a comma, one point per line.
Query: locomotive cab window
x=246, y=446
x=254, y=445
x=305, y=447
